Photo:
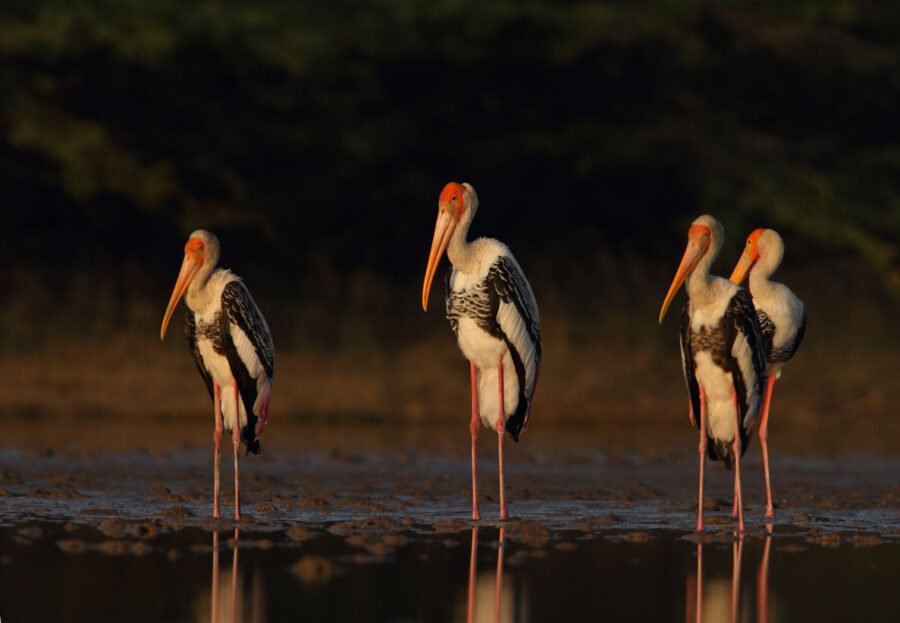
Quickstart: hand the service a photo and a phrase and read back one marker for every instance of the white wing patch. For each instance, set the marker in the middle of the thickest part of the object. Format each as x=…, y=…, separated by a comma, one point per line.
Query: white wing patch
x=515, y=329
x=246, y=351
x=743, y=354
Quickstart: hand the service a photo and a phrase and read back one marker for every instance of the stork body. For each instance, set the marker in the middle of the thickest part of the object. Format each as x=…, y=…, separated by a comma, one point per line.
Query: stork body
x=722, y=355
x=782, y=321
x=494, y=315
x=232, y=347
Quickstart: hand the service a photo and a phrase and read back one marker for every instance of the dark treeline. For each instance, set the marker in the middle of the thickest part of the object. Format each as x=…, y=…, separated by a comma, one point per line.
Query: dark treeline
x=315, y=137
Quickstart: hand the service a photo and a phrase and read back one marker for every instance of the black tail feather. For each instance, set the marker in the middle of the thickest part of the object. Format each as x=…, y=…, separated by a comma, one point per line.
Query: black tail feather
x=248, y=436
x=721, y=449
x=515, y=423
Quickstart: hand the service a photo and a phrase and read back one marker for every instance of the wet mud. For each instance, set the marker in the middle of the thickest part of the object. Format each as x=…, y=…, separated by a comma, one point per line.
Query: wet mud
x=349, y=527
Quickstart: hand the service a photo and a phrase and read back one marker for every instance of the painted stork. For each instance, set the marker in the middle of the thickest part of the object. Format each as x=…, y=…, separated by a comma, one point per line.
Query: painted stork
x=721, y=352
x=231, y=345
x=494, y=315
x=782, y=320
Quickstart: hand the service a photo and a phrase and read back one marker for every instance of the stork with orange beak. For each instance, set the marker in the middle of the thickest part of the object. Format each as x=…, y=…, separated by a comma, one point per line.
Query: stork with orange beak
x=231, y=345
x=721, y=353
x=494, y=315
x=782, y=320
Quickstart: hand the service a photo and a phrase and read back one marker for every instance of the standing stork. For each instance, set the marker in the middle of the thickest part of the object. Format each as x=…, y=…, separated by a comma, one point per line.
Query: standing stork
x=782, y=320
x=721, y=352
x=494, y=315
x=231, y=344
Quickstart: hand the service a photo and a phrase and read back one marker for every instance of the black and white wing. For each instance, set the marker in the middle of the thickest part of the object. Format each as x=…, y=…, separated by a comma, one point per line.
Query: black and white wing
x=687, y=364
x=190, y=332
x=785, y=351
x=747, y=359
x=515, y=313
x=251, y=356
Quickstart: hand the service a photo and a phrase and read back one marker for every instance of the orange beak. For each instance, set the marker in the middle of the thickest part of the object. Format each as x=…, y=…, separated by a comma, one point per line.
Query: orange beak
x=443, y=230
x=742, y=268
x=696, y=247
x=189, y=269
x=748, y=258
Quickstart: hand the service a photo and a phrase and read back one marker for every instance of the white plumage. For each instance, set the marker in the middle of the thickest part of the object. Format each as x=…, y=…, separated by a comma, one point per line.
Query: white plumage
x=493, y=313
x=782, y=320
x=231, y=344
x=721, y=351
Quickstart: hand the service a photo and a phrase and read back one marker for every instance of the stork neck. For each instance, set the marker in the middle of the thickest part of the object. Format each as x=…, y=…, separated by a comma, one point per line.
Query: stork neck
x=699, y=282
x=770, y=257
x=460, y=251
x=759, y=282
x=198, y=296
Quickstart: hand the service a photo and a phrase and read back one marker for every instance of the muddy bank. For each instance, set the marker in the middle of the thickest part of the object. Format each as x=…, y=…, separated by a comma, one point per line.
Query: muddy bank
x=368, y=523
x=367, y=475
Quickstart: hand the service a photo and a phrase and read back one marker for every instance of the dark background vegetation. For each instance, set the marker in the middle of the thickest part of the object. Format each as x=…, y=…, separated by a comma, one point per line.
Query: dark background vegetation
x=314, y=138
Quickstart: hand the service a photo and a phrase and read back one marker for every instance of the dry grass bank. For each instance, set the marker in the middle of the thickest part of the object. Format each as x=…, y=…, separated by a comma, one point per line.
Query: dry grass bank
x=593, y=373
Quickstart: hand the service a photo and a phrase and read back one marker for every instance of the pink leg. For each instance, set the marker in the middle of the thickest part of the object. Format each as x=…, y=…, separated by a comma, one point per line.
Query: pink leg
x=234, y=575
x=217, y=438
x=736, y=449
x=470, y=606
x=498, y=580
x=702, y=448
x=762, y=582
x=236, y=440
x=737, y=552
x=763, y=440
x=214, y=597
x=501, y=433
x=473, y=428
x=699, y=602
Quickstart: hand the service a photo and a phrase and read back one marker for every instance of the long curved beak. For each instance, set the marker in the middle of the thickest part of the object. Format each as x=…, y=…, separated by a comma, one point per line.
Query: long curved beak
x=189, y=268
x=741, y=268
x=443, y=230
x=692, y=255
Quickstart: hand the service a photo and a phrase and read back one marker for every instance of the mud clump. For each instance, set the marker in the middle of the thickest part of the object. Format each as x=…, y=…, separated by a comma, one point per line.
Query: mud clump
x=298, y=533
x=74, y=546
x=314, y=570
x=177, y=512
x=371, y=524
x=637, y=536
x=312, y=500
x=267, y=507
x=828, y=539
x=451, y=526
x=530, y=532
x=865, y=540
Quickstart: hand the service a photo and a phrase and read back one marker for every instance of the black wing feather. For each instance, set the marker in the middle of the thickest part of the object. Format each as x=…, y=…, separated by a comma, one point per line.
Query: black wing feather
x=238, y=308
x=505, y=283
x=190, y=332
x=787, y=351
x=740, y=317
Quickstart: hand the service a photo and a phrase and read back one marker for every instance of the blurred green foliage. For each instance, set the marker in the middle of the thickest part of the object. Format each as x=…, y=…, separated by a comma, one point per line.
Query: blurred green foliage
x=316, y=136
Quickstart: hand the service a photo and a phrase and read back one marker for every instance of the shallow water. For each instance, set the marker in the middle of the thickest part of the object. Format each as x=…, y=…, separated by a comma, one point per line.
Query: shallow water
x=51, y=572
x=356, y=528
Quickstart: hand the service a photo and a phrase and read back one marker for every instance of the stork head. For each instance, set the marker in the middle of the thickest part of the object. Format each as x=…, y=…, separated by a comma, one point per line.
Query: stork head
x=748, y=258
x=765, y=247
x=457, y=202
x=200, y=252
x=700, y=236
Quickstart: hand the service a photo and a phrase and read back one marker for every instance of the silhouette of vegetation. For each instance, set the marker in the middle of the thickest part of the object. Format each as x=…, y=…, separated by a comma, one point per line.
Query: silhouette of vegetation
x=314, y=138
